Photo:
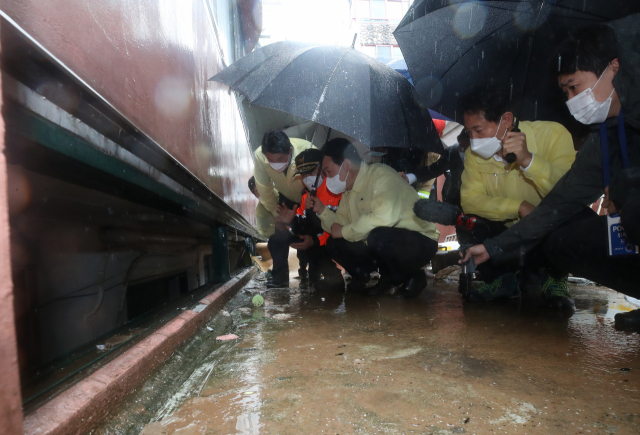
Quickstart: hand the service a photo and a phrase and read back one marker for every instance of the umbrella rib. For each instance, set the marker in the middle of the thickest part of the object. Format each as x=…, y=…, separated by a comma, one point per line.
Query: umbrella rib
x=324, y=91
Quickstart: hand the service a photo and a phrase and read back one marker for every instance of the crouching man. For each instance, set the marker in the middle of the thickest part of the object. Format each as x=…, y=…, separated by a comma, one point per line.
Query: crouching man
x=374, y=227
x=504, y=192
x=306, y=226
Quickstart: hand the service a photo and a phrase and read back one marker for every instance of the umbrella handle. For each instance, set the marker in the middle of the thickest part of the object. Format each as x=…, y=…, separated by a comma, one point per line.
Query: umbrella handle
x=511, y=157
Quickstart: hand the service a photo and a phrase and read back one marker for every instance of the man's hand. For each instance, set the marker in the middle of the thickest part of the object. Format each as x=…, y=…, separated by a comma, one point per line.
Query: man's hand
x=404, y=176
x=516, y=143
x=607, y=204
x=284, y=214
x=525, y=209
x=336, y=231
x=315, y=204
x=307, y=242
x=479, y=254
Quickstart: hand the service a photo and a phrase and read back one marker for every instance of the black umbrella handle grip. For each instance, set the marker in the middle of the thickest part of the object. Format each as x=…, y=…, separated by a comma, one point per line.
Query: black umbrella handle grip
x=511, y=157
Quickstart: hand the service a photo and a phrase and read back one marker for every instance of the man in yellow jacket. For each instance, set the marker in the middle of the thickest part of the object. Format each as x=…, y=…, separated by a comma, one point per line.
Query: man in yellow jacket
x=274, y=171
x=503, y=192
x=375, y=226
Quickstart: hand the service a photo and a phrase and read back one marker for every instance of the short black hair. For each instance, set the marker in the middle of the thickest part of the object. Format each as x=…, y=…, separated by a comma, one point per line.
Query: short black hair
x=252, y=184
x=277, y=142
x=488, y=99
x=590, y=48
x=340, y=149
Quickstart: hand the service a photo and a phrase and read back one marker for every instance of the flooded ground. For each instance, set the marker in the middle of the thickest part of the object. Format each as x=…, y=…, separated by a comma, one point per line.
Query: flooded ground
x=314, y=363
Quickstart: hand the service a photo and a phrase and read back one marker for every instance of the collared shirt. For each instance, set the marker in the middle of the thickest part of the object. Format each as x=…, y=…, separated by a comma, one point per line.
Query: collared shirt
x=523, y=169
x=269, y=181
x=379, y=198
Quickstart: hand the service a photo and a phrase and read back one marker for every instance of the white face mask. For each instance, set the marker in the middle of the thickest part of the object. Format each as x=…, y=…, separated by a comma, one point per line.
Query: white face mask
x=586, y=109
x=488, y=146
x=335, y=185
x=280, y=167
x=310, y=180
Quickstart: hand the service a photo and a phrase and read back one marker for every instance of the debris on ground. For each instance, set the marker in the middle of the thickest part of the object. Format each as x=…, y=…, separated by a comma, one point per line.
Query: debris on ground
x=282, y=316
x=227, y=337
x=257, y=301
x=448, y=272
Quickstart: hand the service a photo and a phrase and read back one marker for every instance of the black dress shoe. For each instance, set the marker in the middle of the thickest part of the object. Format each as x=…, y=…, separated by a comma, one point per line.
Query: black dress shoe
x=325, y=284
x=629, y=321
x=413, y=287
x=383, y=285
x=277, y=283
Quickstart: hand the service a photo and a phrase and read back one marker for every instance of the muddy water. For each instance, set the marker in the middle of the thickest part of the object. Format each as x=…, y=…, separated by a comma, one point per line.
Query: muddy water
x=312, y=363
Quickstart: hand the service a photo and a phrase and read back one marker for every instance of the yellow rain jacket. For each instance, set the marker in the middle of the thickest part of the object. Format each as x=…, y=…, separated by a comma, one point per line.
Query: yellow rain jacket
x=495, y=192
x=265, y=221
x=379, y=198
x=268, y=180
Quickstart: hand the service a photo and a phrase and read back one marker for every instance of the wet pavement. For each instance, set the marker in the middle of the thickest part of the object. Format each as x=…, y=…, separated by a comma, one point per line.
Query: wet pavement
x=312, y=363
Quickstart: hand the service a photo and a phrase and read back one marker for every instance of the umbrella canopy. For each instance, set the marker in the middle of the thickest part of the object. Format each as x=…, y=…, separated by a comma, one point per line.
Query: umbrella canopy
x=451, y=47
x=259, y=120
x=338, y=87
x=401, y=66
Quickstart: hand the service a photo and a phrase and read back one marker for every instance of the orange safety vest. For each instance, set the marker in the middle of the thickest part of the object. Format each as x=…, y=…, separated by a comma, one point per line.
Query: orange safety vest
x=330, y=201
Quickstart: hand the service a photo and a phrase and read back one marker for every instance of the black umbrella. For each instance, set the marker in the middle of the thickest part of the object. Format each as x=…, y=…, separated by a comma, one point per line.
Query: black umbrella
x=452, y=46
x=338, y=87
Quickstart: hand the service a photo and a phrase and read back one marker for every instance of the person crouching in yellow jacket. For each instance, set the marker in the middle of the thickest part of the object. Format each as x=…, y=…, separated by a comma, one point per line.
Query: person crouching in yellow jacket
x=374, y=226
x=503, y=192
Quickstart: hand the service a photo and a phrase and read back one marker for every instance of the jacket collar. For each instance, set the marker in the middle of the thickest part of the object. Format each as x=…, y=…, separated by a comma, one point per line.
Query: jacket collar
x=359, y=184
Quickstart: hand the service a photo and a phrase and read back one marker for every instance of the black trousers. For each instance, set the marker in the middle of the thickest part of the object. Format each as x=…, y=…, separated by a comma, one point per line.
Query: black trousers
x=533, y=262
x=303, y=259
x=582, y=250
x=396, y=252
x=471, y=237
x=279, y=246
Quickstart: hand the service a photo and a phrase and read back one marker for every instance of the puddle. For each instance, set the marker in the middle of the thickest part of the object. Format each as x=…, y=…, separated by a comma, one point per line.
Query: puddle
x=310, y=363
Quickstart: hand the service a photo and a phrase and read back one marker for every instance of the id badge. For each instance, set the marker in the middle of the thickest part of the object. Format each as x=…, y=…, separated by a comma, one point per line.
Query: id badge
x=619, y=243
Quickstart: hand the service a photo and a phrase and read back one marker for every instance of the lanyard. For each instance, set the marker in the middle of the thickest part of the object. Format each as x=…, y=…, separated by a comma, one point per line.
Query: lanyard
x=604, y=147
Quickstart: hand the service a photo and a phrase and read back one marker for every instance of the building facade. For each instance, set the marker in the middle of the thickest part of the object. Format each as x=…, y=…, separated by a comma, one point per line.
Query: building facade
x=375, y=21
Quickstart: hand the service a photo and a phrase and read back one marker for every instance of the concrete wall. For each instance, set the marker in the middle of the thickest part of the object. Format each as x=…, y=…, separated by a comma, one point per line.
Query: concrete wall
x=151, y=60
x=10, y=397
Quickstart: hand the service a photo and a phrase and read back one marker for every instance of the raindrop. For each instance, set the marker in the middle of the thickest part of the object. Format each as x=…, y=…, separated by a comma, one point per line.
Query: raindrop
x=535, y=110
x=482, y=54
x=559, y=62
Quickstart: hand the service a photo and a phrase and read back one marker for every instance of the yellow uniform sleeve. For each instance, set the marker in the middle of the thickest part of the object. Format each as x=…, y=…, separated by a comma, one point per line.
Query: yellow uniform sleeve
x=264, y=184
x=553, y=159
x=341, y=215
x=475, y=200
x=386, y=211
